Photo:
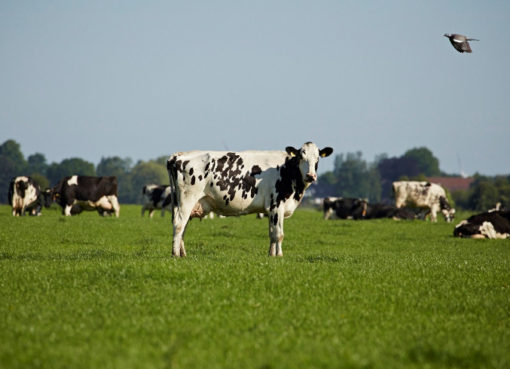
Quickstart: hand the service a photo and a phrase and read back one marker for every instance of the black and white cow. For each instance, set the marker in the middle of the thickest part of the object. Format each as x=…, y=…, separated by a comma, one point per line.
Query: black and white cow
x=156, y=197
x=78, y=193
x=24, y=195
x=423, y=195
x=493, y=224
x=238, y=183
x=344, y=208
x=376, y=211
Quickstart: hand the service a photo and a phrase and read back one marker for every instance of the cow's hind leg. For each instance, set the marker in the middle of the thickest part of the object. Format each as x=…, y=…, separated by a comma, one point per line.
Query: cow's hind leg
x=115, y=204
x=181, y=215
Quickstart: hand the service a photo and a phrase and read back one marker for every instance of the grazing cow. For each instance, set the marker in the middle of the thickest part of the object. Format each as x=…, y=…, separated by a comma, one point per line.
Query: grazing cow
x=344, y=208
x=494, y=224
x=156, y=197
x=24, y=194
x=423, y=195
x=77, y=193
x=376, y=211
x=238, y=183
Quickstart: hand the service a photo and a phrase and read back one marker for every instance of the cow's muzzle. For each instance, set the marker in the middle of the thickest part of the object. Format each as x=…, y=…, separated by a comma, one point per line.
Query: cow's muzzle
x=311, y=178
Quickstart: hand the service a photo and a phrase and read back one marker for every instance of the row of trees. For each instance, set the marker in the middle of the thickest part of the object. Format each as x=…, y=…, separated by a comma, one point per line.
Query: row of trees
x=352, y=176
x=131, y=177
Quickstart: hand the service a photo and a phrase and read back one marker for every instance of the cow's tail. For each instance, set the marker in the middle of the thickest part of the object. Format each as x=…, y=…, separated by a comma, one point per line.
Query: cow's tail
x=171, y=166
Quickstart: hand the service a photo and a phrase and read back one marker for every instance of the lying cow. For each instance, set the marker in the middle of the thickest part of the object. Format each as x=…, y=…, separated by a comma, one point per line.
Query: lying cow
x=493, y=224
x=156, y=197
x=377, y=211
x=24, y=195
x=423, y=195
x=344, y=208
x=78, y=193
x=231, y=183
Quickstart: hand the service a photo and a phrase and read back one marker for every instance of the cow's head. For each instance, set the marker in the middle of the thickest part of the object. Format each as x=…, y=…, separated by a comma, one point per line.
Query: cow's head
x=446, y=209
x=308, y=157
x=21, y=187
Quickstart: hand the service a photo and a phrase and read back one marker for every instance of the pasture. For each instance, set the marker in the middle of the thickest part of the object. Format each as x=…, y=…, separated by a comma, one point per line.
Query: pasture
x=92, y=292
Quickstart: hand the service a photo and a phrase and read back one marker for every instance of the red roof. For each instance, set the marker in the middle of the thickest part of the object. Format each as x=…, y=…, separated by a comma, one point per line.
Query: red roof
x=452, y=183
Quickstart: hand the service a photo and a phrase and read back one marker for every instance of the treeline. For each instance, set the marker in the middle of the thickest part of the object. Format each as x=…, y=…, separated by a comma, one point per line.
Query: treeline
x=131, y=177
x=352, y=175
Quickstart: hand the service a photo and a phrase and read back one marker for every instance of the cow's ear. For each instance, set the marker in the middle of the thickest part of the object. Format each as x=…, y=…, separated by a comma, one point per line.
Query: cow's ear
x=292, y=151
x=327, y=151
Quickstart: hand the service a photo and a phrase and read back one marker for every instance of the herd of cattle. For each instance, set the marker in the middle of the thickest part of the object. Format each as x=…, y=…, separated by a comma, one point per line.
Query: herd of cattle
x=263, y=182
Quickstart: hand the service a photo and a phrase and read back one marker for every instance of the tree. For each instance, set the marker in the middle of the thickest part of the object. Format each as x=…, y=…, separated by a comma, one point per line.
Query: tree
x=393, y=169
x=12, y=164
x=426, y=162
x=145, y=173
x=355, y=178
x=36, y=163
x=69, y=167
x=114, y=166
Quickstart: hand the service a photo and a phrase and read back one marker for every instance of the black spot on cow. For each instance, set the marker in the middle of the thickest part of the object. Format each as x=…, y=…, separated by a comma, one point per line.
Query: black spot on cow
x=275, y=219
x=200, y=177
x=191, y=171
x=290, y=182
x=193, y=180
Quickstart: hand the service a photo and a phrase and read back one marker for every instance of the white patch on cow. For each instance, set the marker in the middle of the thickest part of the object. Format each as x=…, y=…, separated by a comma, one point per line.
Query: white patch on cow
x=73, y=180
x=487, y=229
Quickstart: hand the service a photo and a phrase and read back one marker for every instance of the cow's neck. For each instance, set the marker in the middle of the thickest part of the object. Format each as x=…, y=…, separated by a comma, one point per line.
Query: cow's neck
x=290, y=184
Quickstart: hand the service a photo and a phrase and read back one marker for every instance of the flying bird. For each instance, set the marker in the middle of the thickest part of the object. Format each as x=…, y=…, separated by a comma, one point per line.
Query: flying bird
x=460, y=42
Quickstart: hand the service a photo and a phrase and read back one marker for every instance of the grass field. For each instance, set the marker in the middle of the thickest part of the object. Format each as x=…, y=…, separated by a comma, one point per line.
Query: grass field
x=92, y=292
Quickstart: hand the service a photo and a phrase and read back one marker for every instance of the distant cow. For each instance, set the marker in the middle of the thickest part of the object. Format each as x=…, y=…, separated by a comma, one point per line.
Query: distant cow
x=78, y=193
x=238, y=183
x=376, y=211
x=494, y=224
x=344, y=208
x=24, y=195
x=156, y=197
x=423, y=195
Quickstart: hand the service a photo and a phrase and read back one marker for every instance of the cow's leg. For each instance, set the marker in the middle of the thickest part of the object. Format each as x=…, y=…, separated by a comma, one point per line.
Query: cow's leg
x=67, y=210
x=115, y=204
x=433, y=213
x=180, y=220
x=151, y=213
x=276, y=232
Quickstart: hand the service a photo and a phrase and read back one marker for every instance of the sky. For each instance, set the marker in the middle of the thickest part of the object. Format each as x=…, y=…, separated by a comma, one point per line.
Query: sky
x=142, y=79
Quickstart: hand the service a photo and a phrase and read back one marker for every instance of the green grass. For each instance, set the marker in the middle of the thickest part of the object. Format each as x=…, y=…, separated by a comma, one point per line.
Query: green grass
x=92, y=292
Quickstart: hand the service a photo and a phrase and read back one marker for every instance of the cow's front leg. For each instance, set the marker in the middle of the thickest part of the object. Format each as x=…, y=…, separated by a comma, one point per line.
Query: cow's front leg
x=67, y=210
x=276, y=233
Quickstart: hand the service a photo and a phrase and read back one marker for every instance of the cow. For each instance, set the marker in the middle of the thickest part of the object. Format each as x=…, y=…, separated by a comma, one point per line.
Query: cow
x=78, y=193
x=344, y=208
x=156, y=197
x=239, y=183
x=376, y=211
x=493, y=225
x=24, y=194
x=423, y=195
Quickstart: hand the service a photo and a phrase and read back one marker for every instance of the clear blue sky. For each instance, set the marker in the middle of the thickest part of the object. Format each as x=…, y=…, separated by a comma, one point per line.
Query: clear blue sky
x=142, y=79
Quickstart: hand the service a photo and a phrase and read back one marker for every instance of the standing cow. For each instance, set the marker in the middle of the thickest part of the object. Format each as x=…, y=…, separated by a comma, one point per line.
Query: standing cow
x=423, y=195
x=230, y=183
x=156, y=197
x=24, y=195
x=78, y=193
